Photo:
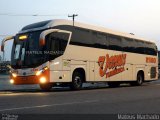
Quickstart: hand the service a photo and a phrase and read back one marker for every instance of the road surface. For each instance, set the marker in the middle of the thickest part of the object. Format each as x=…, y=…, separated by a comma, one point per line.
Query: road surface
x=97, y=99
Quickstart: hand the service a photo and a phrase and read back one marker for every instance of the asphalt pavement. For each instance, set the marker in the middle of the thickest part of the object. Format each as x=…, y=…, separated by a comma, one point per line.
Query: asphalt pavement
x=92, y=99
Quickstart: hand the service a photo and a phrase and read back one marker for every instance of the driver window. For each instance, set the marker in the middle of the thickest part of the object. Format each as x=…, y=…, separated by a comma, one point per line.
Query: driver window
x=56, y=43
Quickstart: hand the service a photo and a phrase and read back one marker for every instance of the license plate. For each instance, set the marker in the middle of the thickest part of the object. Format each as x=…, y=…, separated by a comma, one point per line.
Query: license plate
x=24, y=79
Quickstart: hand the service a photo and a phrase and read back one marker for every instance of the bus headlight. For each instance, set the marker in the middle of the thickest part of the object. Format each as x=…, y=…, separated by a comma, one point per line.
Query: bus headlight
x=43, y=80
x=11, y=81
x=14, y=75
x=39, y=72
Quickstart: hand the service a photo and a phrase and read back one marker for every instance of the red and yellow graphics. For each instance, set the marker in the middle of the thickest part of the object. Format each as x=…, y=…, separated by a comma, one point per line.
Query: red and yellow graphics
x=111, y=65
x=150, y=60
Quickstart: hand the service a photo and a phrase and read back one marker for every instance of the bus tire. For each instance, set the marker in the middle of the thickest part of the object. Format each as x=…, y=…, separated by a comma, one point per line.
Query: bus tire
x=139, y=80
x=113, y=84
x=77, y=81
x=46, y=87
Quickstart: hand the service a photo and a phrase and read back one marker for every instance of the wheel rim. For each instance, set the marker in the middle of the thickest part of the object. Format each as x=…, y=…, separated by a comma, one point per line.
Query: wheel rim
x=77, y=81
x=140, y=79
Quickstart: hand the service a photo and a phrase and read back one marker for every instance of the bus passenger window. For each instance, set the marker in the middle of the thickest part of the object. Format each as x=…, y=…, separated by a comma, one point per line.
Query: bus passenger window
x=100, y=40
x=127, y=45
x=115, y=42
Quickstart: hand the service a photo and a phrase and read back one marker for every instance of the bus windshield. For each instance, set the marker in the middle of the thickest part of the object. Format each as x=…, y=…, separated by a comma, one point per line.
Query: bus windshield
x=26, y=52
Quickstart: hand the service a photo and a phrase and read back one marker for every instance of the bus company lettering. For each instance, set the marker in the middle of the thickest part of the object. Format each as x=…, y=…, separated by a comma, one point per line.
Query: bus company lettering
x=111, y=66
x=150, y=60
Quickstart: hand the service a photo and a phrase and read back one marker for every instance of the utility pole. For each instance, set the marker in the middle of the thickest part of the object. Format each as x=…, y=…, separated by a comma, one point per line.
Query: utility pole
x=73, y=16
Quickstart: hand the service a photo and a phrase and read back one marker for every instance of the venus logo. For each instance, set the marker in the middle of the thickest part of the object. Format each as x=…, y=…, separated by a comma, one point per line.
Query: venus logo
x=24, y=73
x=111, y=66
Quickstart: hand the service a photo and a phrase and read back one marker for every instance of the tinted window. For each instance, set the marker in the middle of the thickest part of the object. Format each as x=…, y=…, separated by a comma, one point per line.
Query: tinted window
x=100, y=40
x=56, y=44
x=128, y=45
x=139, y=47
x=36, y=25
x=115, y=42
x=151, y=49
x=96, y=39
x=26, y=53
x=81, y=37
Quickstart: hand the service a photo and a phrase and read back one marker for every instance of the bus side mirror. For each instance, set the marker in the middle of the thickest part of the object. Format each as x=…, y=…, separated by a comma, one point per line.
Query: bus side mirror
x=2, y=48
x=4, y=40
x=42, y=40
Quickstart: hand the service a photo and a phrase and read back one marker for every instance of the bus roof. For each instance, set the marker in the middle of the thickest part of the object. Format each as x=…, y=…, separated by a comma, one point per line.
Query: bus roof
x=57, y=22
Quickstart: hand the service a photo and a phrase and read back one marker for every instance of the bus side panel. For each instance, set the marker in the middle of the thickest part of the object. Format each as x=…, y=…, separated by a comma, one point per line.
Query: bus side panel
x=127, y=75
x=148, y=73
x=97, y=74
x=116, y=77
x=60, y=76
x=57, y=73
x=91, y=71
x=135, y=63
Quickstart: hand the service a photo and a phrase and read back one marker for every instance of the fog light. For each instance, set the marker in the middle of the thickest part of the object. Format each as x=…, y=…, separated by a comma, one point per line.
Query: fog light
x=11, y=81
x=43, y=80
x=14, y=75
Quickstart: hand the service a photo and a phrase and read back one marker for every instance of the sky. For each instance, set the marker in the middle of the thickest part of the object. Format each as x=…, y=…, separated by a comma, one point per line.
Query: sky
x=141, y=17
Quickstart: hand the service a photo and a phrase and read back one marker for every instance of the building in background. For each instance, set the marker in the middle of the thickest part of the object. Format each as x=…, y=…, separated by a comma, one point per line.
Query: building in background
x=4, y=66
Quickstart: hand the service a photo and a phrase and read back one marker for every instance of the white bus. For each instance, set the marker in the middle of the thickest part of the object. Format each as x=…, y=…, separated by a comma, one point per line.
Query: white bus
x=55, y=52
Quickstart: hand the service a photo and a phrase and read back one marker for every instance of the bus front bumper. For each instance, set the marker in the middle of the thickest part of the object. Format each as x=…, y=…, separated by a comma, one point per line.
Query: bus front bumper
x=43, y=78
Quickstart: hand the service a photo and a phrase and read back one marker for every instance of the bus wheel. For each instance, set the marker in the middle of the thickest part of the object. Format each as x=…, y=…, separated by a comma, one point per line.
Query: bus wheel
x=113, y=84
x=77, y=81
x=46, y=87
x=139, y=81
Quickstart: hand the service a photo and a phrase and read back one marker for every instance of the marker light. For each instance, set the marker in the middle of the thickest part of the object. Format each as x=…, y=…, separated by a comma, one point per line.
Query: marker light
x=38, y=72
x=56, y=63
x=46, y=68
x=11, y=81
x=43, y=80
x=23, y=37
x=14, y=75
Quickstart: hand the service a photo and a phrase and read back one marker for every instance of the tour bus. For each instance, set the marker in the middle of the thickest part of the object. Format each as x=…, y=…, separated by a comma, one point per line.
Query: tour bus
x=56, y=52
